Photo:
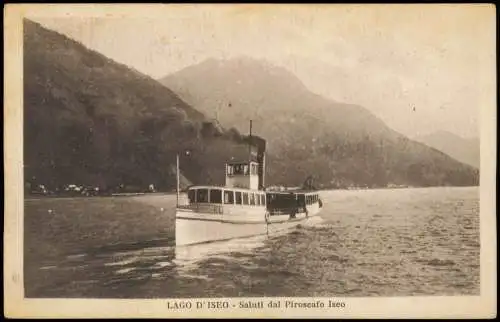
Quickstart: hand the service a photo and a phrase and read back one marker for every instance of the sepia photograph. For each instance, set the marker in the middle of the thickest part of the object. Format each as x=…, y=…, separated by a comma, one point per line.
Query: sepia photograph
x=250, y=160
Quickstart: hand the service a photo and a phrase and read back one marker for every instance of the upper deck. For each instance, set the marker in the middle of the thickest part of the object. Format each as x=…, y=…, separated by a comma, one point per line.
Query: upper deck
x=272, y=200
x=226, y=196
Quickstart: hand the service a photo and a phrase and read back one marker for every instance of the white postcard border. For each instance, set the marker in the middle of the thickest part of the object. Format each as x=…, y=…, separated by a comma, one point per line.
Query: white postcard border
x=377, y=307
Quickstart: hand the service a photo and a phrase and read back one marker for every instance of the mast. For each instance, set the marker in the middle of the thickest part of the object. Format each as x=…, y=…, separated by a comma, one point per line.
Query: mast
x=178, y=179
x=250, y=143
x=263, y=170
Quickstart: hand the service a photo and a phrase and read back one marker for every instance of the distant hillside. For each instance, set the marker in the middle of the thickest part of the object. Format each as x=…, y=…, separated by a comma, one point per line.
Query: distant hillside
x=339, y=144
x=461, y=149
x=89, y=120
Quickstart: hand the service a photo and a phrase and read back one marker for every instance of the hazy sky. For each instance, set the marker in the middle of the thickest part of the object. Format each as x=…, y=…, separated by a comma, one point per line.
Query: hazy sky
x=439, y=59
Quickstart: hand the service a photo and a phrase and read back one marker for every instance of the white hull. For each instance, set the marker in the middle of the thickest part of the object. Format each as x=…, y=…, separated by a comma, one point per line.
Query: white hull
x=194, y=227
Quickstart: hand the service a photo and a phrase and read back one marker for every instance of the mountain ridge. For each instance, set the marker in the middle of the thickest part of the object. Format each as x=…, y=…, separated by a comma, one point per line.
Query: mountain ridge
x=300, y=125
x=465, y=150
x=89, y=120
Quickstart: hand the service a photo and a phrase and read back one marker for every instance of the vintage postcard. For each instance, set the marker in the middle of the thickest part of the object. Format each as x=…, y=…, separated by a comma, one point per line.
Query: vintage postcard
x=316, y=161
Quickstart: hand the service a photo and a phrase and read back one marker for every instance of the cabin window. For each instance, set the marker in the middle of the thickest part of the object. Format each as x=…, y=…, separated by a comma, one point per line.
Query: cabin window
x=269, y=199
x=252, y=199
x=280, y=201
x=192, y=196
x=262, y=199
x=215, y=196
x=257, y=199
x=301, y=200
x=228, y=197
x=230, y=170
x=240, y=169
x=237, y=197
x=245, y=198
x=202, y=195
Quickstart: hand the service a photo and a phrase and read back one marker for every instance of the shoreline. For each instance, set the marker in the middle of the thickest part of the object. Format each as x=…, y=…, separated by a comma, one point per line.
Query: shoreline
x=138, y=194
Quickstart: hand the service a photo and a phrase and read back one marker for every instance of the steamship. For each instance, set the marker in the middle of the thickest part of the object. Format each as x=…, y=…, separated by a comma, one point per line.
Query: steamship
x=243, y=207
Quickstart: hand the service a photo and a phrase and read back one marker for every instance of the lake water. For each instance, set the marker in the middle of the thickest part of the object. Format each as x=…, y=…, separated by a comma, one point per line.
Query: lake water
x=403, y=242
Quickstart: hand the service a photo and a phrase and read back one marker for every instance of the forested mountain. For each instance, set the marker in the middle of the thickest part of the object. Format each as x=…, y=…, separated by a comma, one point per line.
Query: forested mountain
x=340, y=144
x=89, y=120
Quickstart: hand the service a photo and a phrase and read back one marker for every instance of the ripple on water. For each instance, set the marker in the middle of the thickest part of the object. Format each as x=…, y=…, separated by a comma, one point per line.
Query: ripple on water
x=196, y=277
x=163, y=264
x=77, y=256
x=125, y=270
x=371, y=243
x=437, y=262
x=123, y=262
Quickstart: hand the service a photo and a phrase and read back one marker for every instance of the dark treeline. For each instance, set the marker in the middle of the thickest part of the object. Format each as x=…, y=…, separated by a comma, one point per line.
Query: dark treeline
x=90, y=121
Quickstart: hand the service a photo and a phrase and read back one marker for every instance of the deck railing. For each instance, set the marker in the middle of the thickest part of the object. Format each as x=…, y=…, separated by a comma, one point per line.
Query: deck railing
x=219, y=209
